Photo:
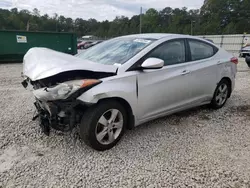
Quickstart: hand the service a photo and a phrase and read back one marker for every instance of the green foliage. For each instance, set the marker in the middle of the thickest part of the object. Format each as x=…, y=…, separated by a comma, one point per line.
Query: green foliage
x=225, y=16
x=214, y=17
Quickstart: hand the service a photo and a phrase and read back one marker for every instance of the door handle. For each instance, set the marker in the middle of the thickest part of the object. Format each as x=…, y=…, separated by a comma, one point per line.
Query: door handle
x=185, y=72
x=219, y=62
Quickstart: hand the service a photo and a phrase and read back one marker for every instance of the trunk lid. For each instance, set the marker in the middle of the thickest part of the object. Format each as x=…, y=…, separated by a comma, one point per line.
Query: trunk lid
x=39, y=63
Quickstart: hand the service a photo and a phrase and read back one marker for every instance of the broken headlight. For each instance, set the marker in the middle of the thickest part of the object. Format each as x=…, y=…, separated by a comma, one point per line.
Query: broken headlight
x=63, y=90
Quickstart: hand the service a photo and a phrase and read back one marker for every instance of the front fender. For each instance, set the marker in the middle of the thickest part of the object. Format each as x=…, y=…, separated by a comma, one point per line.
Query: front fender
x=124, y=88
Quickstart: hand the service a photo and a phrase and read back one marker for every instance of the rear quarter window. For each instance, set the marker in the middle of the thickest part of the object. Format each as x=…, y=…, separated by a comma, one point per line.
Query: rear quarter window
x=201, y=50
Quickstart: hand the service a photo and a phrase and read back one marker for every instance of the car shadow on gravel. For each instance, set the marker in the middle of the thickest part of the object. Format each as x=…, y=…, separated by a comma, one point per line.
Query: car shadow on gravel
x=244, y=70
x=176, y=119
x=240, y=110
x=202, y=113
x=175, y=123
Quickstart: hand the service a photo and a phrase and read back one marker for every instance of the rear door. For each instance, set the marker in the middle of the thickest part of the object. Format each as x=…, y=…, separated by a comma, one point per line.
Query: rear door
x=204, y=70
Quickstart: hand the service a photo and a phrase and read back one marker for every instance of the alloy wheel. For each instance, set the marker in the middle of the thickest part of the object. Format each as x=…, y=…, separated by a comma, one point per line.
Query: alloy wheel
x=221, y=94
x=109, y=126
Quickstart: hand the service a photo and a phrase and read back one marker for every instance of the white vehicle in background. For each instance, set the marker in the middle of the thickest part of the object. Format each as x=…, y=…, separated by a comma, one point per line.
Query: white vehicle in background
x=126, y=81
x=245, y=52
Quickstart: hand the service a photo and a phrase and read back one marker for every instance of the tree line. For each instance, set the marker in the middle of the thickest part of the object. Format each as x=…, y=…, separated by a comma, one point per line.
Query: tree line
x=214, y=17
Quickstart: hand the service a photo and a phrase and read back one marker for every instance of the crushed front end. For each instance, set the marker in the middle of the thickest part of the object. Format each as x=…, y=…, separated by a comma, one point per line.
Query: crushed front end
x=62, y=116
x=57, y=80
x=57, y=105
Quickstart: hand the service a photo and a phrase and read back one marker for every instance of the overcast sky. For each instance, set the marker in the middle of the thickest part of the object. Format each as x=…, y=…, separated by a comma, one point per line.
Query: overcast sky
x=98, y=9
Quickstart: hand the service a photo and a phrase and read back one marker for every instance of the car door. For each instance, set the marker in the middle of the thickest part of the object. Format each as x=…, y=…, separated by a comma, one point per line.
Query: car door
x=166, y=89
x=204, y=70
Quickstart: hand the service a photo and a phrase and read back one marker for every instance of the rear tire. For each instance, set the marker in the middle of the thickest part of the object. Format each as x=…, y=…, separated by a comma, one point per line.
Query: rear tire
x=105, y=135
x=248, y=60
x=221, y=94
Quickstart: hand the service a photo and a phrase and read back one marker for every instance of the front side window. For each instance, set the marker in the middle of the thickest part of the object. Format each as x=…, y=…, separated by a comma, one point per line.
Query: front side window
x=115, y=51
x=171, y=52
x=200, y=50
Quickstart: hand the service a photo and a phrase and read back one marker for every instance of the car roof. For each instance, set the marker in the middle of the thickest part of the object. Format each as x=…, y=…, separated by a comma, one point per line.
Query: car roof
x=153, y=35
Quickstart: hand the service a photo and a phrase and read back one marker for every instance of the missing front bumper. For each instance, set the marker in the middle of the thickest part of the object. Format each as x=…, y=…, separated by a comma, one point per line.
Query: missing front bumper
x=57, y=115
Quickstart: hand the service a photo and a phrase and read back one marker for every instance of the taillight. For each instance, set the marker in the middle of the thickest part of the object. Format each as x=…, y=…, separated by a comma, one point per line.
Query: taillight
x=234, y=60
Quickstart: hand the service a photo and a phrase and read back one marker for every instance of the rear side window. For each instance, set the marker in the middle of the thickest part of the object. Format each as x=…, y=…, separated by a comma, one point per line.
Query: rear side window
x=172, y=52
x=200, y=50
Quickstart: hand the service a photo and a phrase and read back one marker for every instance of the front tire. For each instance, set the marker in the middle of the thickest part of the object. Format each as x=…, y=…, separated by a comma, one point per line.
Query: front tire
x=221, y=94
x=103, y=125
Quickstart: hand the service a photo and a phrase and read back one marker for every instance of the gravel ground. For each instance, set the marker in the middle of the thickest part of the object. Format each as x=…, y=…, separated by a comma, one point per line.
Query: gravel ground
x=196, y=148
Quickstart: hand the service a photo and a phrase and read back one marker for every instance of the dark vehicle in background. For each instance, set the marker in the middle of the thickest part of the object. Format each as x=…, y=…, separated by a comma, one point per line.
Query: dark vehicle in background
x=247, y=58
x=79, y=41
x=92, y=44
x=87, y=44
x=83, y=44
x=245, y=52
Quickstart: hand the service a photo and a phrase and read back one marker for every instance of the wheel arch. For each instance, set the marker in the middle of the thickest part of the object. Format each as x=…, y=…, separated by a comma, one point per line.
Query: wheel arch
x=230, y=84
x=126, y=105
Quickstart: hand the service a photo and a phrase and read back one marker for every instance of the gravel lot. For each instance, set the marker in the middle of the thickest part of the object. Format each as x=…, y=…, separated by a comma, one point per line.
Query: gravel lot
x=197, y=148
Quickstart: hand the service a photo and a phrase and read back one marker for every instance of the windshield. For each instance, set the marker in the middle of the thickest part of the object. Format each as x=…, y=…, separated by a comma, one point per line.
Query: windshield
x=115, y=51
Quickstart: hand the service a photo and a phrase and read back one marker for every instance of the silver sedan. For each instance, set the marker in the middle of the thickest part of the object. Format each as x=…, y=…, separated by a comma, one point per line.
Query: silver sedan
x=126, y=81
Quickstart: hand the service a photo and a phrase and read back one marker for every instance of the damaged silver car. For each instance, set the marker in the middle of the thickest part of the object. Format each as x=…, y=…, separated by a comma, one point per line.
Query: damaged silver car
x=124, y=82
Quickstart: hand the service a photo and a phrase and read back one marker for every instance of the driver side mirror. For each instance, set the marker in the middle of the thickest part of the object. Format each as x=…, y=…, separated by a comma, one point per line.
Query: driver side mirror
x=152, y=63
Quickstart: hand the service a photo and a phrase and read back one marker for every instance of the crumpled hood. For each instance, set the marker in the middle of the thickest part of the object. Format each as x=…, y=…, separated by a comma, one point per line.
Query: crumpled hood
x=39, y=63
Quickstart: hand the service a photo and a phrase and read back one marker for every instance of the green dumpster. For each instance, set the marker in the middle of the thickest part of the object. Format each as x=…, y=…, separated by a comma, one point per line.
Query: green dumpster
x=14, y=44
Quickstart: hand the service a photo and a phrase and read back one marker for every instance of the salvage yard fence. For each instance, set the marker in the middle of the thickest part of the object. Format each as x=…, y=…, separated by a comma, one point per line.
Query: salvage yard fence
x=231, y=43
